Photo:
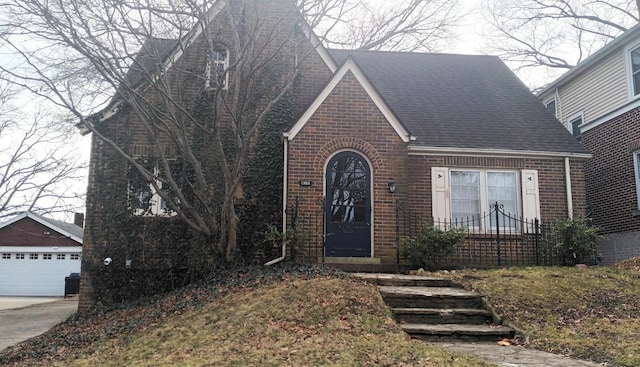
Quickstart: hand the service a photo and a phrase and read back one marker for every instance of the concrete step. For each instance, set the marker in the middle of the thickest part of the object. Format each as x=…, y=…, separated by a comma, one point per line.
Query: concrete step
x=404, y=280
x=430, y=297
x=447, y=332
x=442, y=315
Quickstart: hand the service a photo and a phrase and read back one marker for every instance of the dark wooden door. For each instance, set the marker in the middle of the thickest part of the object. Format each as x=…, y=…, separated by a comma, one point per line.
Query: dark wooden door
x=348, y=206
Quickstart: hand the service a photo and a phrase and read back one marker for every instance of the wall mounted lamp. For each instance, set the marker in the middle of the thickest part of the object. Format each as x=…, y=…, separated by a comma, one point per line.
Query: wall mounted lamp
x=391, y=184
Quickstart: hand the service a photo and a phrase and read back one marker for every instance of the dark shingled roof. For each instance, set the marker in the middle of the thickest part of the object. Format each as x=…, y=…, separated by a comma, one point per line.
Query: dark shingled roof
x=152, y=53
x=462, y=101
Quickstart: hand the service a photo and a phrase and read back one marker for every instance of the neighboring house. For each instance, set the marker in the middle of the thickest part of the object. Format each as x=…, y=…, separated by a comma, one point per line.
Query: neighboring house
x=445, y=135
x=598, y=101
x=37, y=253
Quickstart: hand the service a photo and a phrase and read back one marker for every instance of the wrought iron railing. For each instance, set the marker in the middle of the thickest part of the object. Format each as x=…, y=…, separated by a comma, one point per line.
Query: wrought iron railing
x=494, y=239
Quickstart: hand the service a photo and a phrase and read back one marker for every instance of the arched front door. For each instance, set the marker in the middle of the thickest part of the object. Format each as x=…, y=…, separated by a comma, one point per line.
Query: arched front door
x=348, y=206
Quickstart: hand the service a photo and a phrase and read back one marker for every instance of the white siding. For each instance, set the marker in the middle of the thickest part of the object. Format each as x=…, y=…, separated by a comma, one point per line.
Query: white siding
x=596, y=91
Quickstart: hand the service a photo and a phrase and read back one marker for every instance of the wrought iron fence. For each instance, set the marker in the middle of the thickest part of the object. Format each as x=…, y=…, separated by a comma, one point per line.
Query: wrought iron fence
x=495, y=239
x=310, y=224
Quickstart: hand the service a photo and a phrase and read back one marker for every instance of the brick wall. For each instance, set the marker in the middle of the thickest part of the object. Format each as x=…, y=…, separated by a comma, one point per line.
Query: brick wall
x=27, y=232
x=611, y=185
x=349, y=120
x=610, y=177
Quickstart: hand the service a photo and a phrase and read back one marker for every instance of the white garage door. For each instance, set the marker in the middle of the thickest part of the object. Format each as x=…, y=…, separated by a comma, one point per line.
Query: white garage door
x=36, y=271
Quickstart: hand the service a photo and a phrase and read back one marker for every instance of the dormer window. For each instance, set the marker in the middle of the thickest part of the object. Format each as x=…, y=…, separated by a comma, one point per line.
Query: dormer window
x=216, y=71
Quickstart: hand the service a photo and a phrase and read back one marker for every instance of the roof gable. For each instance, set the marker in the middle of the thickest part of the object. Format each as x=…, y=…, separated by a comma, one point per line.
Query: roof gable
x=67, y=229
x=350, y=66
x=167, y=52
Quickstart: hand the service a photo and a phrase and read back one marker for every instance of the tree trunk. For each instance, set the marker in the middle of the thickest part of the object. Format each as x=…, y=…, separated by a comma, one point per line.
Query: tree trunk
x=232, y=235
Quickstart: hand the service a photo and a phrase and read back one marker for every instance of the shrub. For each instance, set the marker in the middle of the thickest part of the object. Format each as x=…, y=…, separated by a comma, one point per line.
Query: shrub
x=574, y=239
x=293, y=238
x=431, y=245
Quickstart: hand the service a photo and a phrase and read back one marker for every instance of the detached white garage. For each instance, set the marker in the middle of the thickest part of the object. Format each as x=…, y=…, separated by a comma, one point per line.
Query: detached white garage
x=37, y=253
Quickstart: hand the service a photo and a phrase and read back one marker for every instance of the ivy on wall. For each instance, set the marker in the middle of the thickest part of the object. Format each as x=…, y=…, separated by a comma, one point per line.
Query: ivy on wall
x=154, y=254
x=263, y=183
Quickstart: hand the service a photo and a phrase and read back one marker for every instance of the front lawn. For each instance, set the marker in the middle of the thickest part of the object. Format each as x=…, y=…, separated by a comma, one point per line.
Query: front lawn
x=590, y=313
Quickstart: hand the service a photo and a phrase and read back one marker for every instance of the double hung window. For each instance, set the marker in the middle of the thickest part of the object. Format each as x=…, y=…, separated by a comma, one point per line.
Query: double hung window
x=474, y=191
x=634, y=70
x=144, y=198
x=469, y=197
x=216, y=75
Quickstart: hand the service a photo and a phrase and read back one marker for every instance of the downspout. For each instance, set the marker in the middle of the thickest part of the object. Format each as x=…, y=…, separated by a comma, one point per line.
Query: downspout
x=284, y=201
x=567, y=172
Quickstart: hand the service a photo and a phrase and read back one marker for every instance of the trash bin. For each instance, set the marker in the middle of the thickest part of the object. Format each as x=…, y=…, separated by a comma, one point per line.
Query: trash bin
x=72, y=284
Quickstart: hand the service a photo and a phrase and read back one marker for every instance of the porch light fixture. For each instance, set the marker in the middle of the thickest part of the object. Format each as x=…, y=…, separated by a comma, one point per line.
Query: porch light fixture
x=391, y=185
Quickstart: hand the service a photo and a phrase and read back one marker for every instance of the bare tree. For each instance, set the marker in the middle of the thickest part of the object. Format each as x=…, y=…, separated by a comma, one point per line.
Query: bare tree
x=555, y=34
x=36, y=173
x=197, y=80
x=403, y=25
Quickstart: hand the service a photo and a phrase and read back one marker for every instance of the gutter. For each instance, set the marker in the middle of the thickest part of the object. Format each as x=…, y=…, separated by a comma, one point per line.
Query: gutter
x=285, y=178
x=567, y=170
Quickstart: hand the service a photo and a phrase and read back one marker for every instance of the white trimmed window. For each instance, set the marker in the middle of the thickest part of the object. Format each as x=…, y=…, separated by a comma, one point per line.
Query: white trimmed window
x=636, y=168
x=464, y=197
x=60, y=256
x=573, y=124
x=551, y=106
x=145, y=200
x=33, y=256
x=75, y=256
x=216, y=74
x=46, y=256
x=633, y=66
x=6, y=256
x=19, y=256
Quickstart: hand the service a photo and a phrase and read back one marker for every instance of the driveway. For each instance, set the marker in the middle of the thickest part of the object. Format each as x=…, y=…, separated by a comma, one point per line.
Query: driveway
x=19, y=324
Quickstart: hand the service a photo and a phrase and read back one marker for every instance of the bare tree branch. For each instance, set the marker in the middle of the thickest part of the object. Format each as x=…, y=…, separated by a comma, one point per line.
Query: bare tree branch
x=36, y=174
x=555, y=34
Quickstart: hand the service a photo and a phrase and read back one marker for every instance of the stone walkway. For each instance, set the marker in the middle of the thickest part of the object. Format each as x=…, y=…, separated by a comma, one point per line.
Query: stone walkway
x=513, y=356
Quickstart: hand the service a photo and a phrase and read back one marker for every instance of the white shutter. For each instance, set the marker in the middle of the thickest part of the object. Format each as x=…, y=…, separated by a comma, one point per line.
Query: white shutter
x=440, y=195
x=530, y=196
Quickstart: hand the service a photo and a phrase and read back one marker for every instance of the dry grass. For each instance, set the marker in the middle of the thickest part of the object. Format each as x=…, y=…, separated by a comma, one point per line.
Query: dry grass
x=591, y=313
x=317, y=322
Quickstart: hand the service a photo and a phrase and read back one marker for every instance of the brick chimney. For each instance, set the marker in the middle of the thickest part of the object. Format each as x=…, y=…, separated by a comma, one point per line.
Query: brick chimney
x=78, y=219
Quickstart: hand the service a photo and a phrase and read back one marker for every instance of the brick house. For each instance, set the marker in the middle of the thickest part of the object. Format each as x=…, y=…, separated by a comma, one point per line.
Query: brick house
x=447, y=135
x=37, y=253
x=598, y=103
